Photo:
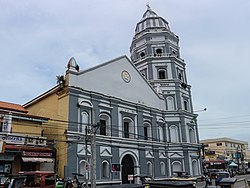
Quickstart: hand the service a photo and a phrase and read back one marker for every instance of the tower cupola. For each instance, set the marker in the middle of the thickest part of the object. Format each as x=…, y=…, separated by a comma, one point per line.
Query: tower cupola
x=153, y=38
x=151, y=20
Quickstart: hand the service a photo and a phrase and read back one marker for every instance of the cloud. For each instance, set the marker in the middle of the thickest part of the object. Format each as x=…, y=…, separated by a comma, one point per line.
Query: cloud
x=39, y=37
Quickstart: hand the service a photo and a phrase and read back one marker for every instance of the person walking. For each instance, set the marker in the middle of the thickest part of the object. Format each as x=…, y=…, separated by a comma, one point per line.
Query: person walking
x=208, y=181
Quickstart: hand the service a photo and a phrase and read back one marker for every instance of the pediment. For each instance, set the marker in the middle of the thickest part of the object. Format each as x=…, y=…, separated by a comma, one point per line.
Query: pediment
x=118, y=78
x=162, y=155
x=105, y=152
x=175, y=155
x=149, y=154
x=81, y=149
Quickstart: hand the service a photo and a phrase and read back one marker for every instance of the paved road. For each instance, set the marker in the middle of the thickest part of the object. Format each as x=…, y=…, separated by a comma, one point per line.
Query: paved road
x=246, y=177
x=200, y=184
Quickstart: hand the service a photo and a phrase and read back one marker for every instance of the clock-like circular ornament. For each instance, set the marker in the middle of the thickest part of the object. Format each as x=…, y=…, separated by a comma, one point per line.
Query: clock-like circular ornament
x=126, y=76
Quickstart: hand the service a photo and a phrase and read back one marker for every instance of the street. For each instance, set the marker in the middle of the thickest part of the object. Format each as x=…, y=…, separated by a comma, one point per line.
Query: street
x=246, y=177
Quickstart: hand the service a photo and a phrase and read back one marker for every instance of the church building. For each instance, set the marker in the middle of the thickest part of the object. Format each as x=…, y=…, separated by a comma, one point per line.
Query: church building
x=126, y=117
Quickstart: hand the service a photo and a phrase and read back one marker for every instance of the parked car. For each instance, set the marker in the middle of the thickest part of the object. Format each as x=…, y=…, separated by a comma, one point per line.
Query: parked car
x=220, y=176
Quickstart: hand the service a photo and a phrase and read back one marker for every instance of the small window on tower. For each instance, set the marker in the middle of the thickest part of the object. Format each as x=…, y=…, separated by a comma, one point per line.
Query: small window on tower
x=162, y=74
x=142, y=54
x=159, y=51
x=180, y=76
x=144, y=73
x=185, y=105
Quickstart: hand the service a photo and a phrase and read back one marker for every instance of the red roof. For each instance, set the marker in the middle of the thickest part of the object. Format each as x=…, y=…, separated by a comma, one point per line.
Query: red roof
x=12, y=107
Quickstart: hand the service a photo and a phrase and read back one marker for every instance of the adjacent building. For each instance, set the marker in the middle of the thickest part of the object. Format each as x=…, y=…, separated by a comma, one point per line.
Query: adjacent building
x=226, y=149
x=125, y=117
x=24, y=146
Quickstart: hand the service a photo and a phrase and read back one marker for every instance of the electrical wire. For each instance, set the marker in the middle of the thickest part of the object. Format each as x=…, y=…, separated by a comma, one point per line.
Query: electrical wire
x=57, y=124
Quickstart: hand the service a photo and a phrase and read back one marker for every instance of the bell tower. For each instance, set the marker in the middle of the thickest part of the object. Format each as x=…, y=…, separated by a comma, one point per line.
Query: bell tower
x=155, y=52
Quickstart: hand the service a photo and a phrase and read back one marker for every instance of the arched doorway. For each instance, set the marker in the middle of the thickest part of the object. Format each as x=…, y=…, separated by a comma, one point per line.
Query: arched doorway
x=127, y=168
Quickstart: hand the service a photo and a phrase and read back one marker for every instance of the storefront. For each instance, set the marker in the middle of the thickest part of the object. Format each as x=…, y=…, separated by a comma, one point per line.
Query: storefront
x=26, y=158
x=37, y=161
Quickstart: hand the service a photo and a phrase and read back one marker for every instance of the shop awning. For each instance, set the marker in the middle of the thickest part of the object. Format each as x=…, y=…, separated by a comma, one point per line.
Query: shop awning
x=37, y=160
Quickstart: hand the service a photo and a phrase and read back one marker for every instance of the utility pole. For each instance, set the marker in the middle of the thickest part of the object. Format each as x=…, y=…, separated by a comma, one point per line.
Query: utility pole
x=95, y=127
x=93, y=151
x=86, y=156
x=93, y=167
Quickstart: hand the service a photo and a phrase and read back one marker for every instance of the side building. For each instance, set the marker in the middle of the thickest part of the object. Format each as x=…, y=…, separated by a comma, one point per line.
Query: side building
x=125, y=118
x=25, y=148
x=219, y=151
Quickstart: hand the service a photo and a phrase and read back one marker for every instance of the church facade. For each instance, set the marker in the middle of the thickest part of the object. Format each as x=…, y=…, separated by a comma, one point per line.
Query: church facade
x=126, y=118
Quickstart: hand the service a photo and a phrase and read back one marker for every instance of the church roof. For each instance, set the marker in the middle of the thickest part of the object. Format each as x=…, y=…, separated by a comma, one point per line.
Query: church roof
x=151, y=20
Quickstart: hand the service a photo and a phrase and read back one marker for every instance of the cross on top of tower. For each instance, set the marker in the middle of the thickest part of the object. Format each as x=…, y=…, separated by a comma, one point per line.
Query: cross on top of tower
x=149, y=8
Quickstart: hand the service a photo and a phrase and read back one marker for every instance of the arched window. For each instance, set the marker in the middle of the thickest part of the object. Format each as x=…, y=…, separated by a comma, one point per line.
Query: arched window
x=149, y=169
x=147, y=131
x=195, y=168
x=83, y=166
x=85, y=121
x=163, y=168
x=128, y=128
x=160, y=133
x=185, y=105
x=162, y=74
x=170, y=103
x=105, y=125
x=105, y=169
x=191, y=135
x=180, y=76
x=177, y=166
x=174, y=136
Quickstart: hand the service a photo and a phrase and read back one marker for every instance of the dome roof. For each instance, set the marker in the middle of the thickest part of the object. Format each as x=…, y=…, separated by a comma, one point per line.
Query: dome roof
x=151, y=20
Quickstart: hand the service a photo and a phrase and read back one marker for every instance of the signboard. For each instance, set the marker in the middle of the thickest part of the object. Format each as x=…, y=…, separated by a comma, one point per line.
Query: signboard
x=210, y=152
x=7, y=120
x=36, y=154
x=238, y=155
x=130, y=177
x=116, y=168
x=14, y=139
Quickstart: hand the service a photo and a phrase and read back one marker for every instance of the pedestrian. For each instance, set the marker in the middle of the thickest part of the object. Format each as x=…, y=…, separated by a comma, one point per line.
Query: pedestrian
x=208, y=181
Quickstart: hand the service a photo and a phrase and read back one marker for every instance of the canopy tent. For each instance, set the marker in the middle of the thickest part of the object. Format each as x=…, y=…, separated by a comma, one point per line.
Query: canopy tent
x=232, y=164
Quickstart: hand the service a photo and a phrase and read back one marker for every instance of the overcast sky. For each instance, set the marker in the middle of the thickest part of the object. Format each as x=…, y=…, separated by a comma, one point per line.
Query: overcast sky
x=37, y=38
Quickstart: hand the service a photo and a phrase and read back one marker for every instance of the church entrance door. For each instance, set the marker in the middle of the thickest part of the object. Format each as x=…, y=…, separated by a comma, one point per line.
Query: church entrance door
x=127, y=168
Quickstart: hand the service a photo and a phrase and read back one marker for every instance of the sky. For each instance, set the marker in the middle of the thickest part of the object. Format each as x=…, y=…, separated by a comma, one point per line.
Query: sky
x=37, y=39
